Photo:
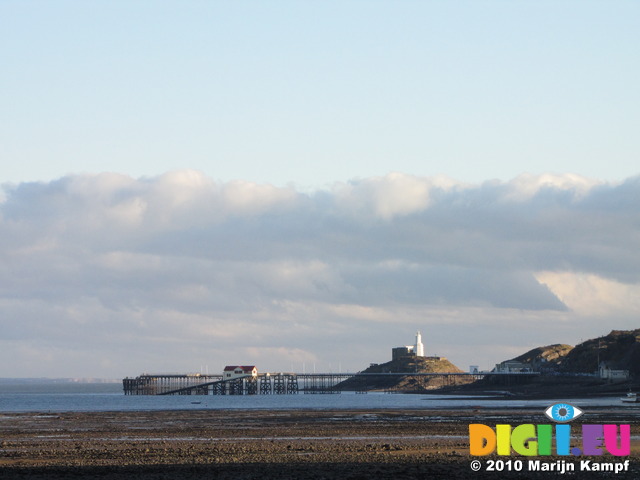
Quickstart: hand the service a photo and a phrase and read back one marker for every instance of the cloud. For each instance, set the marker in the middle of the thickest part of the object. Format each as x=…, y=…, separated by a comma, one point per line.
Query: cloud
x=591, y=295
x=179, y=269
x=393, y=195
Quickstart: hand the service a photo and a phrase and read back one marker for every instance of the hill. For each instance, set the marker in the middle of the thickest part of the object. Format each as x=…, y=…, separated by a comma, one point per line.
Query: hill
x=408, y=382
x=549, y=355
x=620, y=350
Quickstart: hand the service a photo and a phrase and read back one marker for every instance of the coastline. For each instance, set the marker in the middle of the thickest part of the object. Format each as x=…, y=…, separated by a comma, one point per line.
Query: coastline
x=300, y=444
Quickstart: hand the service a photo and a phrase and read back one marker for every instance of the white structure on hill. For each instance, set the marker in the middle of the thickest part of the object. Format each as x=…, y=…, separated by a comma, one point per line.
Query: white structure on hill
x=418, y=349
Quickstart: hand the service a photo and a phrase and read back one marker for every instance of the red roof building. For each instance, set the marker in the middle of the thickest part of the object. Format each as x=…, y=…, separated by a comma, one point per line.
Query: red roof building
x=236, y=371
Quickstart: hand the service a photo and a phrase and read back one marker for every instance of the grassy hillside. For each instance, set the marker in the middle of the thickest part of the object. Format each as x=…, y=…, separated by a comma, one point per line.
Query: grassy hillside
x=408, y=382
x=620, y=349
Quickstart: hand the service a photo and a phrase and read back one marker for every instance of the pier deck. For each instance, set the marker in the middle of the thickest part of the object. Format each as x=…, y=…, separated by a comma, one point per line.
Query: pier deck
x=283, y=383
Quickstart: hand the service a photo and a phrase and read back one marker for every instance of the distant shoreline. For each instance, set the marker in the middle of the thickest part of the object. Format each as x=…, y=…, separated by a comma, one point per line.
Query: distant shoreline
x=46, y=380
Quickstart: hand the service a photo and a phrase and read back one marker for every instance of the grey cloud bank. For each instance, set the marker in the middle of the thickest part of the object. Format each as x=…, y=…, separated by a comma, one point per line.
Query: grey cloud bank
x=107, y=275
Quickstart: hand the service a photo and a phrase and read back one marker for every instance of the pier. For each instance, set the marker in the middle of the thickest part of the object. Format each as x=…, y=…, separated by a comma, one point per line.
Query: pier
x=289, y=383
x=409, y=370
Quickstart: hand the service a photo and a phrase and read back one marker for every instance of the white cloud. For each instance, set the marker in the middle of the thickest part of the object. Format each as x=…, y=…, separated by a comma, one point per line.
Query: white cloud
x=526, y=186
x=592, y=295
x=395, y=194
x=167, y=272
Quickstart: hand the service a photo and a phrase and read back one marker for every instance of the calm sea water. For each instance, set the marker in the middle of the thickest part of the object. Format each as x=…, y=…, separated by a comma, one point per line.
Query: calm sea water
x=109, y=397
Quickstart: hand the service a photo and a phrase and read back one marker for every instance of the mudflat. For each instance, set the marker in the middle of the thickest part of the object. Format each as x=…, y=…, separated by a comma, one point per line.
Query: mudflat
x=259, y=444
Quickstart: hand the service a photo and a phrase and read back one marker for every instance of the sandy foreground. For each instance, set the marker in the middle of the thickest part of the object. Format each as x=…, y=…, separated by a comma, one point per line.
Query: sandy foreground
x=233, y=444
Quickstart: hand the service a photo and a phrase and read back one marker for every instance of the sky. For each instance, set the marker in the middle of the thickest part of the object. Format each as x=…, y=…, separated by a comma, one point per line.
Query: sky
x=303, y=185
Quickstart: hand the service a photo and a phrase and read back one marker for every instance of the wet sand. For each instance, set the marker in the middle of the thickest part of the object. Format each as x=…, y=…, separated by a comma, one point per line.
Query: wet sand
x=232, y=444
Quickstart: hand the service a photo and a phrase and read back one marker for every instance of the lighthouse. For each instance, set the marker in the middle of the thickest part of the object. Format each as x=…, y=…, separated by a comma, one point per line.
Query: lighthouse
x=418, y=349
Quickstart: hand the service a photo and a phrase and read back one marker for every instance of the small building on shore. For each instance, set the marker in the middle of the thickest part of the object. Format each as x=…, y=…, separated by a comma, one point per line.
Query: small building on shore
x=512, y=366
x=607, y=373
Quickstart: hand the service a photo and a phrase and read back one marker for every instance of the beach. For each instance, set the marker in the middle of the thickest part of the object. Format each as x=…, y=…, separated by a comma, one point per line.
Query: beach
x=286, y=444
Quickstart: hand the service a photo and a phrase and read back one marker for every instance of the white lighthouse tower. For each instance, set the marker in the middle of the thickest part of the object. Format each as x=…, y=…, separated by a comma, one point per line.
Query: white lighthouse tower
x=418, y=349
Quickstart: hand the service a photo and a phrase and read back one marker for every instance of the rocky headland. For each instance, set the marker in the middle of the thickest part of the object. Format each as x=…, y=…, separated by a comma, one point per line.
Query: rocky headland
x=374, y=378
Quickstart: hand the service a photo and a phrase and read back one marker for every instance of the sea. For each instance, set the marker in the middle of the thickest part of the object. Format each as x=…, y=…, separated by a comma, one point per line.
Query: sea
x=106, y=397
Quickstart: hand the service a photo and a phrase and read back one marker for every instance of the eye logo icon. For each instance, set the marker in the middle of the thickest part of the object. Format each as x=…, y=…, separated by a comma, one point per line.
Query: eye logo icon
x=563, y=412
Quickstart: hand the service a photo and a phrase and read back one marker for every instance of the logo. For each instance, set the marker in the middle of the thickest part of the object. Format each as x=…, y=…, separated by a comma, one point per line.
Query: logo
x=549, y=439
x=562, y=412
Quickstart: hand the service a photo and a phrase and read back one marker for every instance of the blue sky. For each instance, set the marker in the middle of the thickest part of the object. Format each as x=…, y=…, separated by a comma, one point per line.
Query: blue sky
x=318, y=92
x=283, y=183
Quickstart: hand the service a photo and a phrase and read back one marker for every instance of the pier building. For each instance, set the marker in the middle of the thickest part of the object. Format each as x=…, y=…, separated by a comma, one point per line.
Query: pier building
x=233, y=371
